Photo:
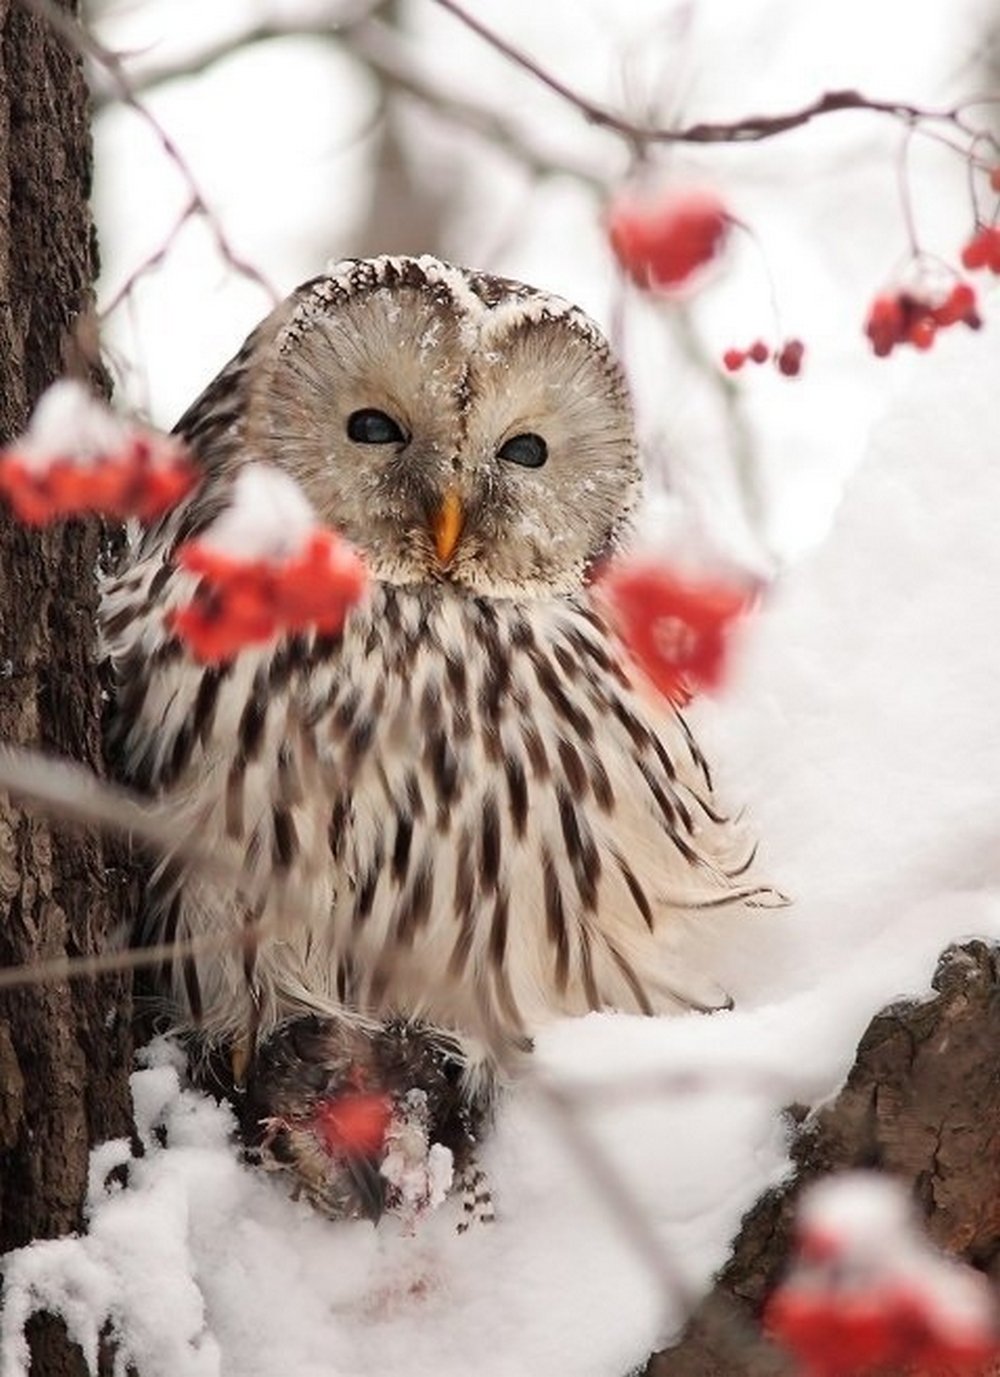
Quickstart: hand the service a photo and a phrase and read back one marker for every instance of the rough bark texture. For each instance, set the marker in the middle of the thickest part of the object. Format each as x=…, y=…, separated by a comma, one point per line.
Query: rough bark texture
x=922, y=1102
x=63, y=1050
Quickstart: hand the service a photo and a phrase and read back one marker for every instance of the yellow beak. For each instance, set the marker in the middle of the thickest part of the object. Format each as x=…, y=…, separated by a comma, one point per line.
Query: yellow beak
x=447, y=525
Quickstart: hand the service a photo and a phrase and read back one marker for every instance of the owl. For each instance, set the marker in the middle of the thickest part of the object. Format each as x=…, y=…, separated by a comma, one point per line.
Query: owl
x=464, y=811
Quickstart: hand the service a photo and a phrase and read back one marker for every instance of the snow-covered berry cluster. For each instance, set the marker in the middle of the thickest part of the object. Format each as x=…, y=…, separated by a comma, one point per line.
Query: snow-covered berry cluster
x=867, y=1292
x=674, y=627
x=77, y=457
x=265, y=567
x=663, y=241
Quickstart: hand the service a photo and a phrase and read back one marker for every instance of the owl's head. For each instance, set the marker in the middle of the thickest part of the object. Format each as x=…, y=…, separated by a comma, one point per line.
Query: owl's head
x=455, y=426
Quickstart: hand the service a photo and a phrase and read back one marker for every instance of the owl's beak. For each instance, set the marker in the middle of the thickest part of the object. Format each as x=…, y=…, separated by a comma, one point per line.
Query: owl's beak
x=446, y=524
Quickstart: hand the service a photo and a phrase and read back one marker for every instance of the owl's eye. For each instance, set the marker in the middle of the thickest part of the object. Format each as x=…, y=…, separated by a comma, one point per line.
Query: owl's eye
x=529, y=450
x=371, y=427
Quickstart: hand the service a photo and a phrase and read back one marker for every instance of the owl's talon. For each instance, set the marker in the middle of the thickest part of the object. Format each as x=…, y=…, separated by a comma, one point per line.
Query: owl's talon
x=362, y=1120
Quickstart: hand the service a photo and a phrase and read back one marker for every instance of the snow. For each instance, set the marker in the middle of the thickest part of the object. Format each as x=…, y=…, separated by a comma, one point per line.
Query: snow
x=420, y=1171
x=71, y=424
x=860, y=1213
x=269, y=518
x=860, y=722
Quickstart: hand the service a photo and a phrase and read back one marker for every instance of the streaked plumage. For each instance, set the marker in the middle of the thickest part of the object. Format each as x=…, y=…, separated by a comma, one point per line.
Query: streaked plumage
x=461, y=810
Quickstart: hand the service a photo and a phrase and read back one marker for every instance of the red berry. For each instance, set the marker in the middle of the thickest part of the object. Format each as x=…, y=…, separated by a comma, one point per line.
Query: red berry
x=759, y=351
x=886, y=323
x=733, y=360
x=354, y=1124
x=675, y=630
x=662, y=243
x=789, y=358
x=240, y=602
x=976, y=252
x=921, y=333
x=959, y=303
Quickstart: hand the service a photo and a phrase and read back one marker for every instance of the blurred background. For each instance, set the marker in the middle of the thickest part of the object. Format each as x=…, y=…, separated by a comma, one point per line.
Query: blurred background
x=315, y=131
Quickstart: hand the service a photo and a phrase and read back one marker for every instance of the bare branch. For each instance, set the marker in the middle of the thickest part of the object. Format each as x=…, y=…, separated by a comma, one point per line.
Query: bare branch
x=153, y=74
x=154, y=260
x=377, y=46
x=80, y=41
x=748, y=129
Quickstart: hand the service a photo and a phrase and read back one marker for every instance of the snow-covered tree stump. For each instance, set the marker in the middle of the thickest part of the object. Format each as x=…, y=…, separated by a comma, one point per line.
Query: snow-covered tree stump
x=922, y=1102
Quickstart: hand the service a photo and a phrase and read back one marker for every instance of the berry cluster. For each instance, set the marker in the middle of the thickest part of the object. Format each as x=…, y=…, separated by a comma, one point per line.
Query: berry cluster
x=868, y=1294
x=787, y=359
x=240, y=601
x=983, y=249
x=906, y=317
x=77, y=457
x=674, y=629
x=663, y=242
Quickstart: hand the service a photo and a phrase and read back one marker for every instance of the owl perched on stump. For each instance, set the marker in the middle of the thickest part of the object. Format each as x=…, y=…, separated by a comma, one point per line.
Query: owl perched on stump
x=461, y=814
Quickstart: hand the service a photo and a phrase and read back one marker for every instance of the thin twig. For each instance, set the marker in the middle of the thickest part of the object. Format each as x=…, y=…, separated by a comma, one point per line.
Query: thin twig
x=159, y=72
x=377, y=46
x=152, y=262
x=610, y=1185
x=59, y=968
x=747, y=129
x=82, y=42
x=72, y=793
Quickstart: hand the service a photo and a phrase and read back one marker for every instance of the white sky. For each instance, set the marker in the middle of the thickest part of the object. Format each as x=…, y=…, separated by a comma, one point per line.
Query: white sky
x=276, y=137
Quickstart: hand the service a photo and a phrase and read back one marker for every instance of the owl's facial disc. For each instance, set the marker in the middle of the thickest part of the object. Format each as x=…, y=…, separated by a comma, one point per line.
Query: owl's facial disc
x=457, y=428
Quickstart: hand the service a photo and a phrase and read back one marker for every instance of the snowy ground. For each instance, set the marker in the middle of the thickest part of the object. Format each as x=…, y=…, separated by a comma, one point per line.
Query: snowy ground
x=860, y=723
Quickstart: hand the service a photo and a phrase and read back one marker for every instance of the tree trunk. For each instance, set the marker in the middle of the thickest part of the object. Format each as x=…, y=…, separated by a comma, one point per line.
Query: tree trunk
x=64, y=1050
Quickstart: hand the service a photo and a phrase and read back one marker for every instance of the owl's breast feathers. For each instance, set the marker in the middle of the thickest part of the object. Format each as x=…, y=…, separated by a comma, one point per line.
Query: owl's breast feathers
x=459, y=809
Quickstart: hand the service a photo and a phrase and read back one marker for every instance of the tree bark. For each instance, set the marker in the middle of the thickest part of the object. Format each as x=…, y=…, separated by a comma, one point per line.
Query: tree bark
x=922, y=1103
x=64, y=1050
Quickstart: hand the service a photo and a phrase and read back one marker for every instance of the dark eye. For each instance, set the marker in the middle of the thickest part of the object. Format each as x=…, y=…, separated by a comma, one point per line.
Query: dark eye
x=371, y=427
x=530, y=451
